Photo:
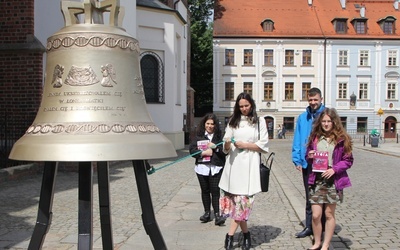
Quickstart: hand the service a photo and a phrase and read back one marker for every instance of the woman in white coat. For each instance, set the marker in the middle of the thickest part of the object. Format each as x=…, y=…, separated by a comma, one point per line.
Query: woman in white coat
x=245, y=137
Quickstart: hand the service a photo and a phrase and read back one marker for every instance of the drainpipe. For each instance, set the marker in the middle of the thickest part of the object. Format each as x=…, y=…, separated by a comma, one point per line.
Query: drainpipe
x=324, y=70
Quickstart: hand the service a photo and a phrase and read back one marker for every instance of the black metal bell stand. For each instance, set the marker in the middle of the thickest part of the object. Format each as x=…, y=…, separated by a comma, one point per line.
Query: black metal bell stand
x=85, y=196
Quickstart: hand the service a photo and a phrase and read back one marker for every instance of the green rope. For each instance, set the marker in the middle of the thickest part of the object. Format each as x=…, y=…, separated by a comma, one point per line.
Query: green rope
x=153, y=170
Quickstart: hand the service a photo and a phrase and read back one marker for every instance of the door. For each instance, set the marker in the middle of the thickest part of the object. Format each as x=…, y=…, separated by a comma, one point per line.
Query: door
x=270, y=126
x=390, y=127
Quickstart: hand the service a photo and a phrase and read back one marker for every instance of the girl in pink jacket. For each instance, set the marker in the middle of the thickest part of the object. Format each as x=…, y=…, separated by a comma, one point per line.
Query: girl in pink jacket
x=330, y=153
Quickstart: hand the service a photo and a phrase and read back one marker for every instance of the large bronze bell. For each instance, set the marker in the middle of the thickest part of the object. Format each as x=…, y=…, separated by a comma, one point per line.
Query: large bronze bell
x=93, y=106
x=93, y=110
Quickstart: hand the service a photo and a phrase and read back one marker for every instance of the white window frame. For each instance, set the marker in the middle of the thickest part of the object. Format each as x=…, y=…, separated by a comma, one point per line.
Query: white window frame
x=363, y=57
x=343, y=59
x=392, y=58
x=391, y=91
x=363, y=90
x=342, y=90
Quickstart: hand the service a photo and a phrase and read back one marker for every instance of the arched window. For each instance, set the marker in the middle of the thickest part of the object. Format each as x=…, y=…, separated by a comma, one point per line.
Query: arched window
x=152, y=70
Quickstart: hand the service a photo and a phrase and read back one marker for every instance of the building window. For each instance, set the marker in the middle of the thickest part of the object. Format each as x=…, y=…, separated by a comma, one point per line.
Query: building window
x=288, y=122
x=289, y=91
x=388, y=28
x=248, y=57
x=388, y=25
x=342, y=91
x=364, y=56
x=343, y=120
x=392, y=58
x=362, y=124
x=248, y=88
x=343, y=58
x=229, y=91
x=267, y=25
x=360, y=26
x=340, y=26
x=152, y=70
x=391, y=91
x=363, y=91
x=268, y=91
x=289, y=57
x=305, y=87
x=306, y=57
x=268, y=57
x=230, y=57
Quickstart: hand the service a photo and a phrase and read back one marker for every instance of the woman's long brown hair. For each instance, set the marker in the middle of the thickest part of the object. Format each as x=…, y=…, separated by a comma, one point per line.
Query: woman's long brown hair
x=337, y=132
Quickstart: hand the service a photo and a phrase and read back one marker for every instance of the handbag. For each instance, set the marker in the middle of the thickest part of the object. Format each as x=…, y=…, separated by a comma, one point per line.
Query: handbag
x=265, y=169
x=264, y=175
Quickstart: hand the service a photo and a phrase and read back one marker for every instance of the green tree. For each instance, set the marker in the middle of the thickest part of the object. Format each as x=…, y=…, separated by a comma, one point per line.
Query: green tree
x=201, y=74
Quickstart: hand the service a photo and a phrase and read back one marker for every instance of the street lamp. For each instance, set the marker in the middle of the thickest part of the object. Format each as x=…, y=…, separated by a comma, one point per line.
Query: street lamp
x=380, y=113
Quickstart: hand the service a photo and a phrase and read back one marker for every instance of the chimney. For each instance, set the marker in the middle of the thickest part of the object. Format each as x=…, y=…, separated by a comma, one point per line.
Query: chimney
x=309, y=2
x=362, y=11
x=396, y=4
x=343, y=3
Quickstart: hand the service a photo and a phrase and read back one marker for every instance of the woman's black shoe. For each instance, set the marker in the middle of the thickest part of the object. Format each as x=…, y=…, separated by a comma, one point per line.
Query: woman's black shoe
x=219, y=220
x=228, y=242
x=206, y=217
x=246, y=241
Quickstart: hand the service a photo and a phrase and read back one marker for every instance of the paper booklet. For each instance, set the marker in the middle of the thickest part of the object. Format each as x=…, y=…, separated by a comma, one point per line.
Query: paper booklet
x=203, y=145
x=320, y=161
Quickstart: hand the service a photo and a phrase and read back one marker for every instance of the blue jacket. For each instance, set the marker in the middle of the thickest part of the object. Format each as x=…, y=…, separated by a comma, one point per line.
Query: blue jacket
x=301, y=134
x=340, y=163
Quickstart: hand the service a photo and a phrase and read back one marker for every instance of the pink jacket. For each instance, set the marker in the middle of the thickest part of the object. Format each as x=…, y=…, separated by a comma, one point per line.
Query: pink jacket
x=340, y=163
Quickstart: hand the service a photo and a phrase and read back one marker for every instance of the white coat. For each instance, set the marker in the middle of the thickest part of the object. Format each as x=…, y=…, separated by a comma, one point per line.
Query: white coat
x=241, y=174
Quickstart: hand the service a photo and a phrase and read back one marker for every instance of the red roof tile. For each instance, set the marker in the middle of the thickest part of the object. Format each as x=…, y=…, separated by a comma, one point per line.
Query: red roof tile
x=295, y=18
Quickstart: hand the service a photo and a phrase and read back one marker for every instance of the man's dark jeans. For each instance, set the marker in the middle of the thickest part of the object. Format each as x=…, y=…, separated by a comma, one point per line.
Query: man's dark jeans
x=306, y=173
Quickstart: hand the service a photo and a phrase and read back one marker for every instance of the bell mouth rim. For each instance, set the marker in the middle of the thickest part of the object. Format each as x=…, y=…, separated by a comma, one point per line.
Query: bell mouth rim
x=82, y=148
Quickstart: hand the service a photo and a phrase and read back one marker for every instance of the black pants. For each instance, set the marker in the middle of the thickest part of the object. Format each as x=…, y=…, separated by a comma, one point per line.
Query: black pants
x=306, y=173
x=210, y=191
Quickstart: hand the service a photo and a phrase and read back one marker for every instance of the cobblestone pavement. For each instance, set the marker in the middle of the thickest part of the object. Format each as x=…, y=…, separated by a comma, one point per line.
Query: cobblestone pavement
x=368, y=219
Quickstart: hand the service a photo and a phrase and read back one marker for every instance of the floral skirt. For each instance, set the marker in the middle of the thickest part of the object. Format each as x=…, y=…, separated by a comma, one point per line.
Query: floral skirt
x=237, y=207
x=324, y=192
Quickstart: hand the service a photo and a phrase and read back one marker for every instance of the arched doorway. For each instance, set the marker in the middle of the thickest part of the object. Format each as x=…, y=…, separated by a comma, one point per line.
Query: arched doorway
x=390, y=127
x=270, y=126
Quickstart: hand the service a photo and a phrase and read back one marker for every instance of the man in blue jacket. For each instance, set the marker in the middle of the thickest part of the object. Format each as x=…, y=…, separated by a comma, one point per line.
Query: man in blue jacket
x=301, y=133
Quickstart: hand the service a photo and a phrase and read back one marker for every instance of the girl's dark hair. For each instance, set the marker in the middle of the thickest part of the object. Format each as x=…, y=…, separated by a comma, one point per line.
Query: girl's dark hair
x=235, y=118
x=337, y=133
x=201, y=128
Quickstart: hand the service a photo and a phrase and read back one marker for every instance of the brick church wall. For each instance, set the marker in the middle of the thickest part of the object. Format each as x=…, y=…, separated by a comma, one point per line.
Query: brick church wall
x=21, y=70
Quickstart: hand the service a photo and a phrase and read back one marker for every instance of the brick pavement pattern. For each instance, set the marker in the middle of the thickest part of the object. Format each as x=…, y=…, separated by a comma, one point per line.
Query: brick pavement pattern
x=368, y=219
